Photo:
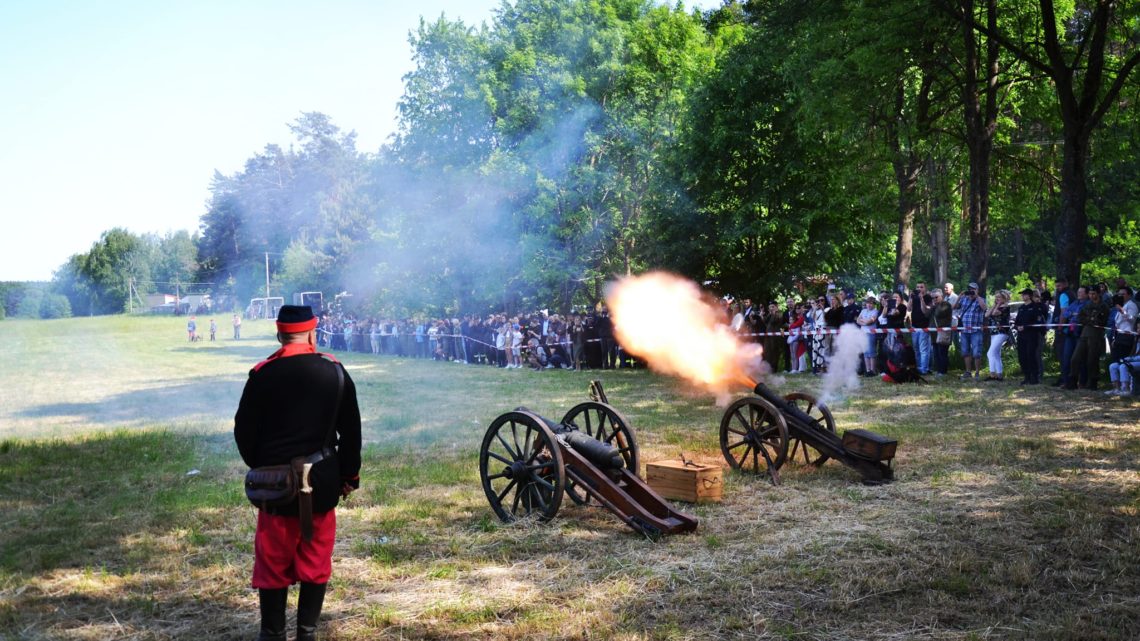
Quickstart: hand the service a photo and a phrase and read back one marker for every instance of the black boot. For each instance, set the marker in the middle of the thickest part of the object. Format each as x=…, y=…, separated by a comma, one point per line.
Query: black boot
x=309, y=605
x=272, y=614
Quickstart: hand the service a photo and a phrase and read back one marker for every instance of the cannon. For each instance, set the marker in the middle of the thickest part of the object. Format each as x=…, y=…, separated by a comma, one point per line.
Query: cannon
x=760, y=433
x=528, y=463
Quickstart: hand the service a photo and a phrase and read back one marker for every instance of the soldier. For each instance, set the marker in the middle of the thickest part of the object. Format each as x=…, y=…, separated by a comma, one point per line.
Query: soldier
x=290, y=409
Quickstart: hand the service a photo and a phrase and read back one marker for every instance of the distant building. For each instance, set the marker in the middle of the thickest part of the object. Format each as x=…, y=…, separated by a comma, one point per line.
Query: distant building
x=160, y=302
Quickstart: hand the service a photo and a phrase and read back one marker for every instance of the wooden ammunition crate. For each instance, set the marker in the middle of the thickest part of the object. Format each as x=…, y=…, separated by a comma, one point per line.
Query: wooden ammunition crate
x=869, y=445
x=693, y=483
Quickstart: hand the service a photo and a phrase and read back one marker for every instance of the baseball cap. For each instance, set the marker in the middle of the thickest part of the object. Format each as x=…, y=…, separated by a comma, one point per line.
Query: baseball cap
x=973, y=285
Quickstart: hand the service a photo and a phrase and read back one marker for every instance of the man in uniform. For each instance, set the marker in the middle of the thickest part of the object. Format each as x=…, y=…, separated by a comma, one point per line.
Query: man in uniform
x=289, y=404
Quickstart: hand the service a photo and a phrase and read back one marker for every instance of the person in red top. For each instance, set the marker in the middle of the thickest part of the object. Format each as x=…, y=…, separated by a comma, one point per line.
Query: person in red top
x=295, y=405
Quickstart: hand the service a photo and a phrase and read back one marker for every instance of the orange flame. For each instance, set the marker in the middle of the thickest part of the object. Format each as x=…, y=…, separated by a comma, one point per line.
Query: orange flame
x=665, y=320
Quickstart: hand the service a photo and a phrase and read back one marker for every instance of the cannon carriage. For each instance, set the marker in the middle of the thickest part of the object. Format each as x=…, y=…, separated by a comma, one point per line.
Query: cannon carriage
x=759, y=433
x=529, y=463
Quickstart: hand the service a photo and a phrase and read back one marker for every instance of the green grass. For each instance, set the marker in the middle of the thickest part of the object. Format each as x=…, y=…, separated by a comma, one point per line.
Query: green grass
x=1015, y=513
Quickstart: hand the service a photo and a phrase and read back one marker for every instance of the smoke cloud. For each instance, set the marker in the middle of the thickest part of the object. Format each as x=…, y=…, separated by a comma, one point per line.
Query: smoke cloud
x=842, y=376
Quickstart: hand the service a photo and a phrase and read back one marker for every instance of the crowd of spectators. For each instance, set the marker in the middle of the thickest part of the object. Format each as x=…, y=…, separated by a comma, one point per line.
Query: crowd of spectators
x=540, y=340
x=1084, y=323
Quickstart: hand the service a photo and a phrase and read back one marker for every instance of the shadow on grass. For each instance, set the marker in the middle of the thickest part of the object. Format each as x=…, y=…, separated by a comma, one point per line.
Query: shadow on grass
x=1029, y=535
x=86, y=519
x=201, y=396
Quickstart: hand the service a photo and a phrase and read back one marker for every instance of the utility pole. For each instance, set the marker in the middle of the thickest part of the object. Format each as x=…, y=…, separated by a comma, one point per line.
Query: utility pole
x=130, y=294
x=267, y=284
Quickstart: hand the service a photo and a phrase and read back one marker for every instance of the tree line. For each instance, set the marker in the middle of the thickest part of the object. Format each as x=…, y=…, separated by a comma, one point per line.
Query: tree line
x=757, y=147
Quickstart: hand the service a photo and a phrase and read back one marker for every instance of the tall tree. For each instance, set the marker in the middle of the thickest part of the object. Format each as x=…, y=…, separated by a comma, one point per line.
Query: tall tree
x=1089, y=53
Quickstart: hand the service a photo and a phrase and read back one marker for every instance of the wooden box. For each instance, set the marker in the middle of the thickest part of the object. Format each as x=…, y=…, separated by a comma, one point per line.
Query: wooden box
x=869, y=445
x=693, y=483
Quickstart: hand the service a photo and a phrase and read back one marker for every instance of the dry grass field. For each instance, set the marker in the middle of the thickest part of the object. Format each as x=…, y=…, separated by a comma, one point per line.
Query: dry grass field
x=1015, y=513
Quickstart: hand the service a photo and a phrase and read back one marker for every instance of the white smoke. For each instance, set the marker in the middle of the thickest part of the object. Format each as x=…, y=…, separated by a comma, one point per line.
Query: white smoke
x=842, y=375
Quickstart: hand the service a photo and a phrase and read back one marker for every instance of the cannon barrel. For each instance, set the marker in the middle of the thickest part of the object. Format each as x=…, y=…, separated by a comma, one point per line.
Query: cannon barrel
x=789, y=410
x=603, y=455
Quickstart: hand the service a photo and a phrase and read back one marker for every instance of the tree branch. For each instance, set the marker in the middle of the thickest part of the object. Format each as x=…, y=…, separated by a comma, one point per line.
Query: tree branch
x=1012, y=47
x=1114, y=90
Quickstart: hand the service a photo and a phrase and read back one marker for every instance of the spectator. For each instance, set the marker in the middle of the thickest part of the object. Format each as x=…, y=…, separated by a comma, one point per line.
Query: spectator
x=850, y=309
x=605, y=328
x=515, y=336
x=374, y=336
x=868, y=319
x=1028, y=337
x=818, y=337
x=237, y=327
x=833, y=319
x=786, y=348
x=736, y=319
x=1093, y=318
x=896, y=319
x=535, y=355
x=940, y=314
x=796, y=342
x=192, y=329
x=920, y=303
x=1123, y=372
x=213, y=330
x=997, y=320
x=1070, y=331
x=1062, y=300
x=971, y=313
x=1123, y=324
x=949, y=295
x=773, y=343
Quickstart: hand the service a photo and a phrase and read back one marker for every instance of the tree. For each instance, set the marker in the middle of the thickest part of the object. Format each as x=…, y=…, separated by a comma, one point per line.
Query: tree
x=113, y=260
x=1089, y=54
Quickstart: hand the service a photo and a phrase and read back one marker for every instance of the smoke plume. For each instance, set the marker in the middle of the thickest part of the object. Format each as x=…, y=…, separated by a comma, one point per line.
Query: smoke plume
x=842, y=375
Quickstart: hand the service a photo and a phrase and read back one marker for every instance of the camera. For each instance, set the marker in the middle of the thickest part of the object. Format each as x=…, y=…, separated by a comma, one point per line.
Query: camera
x=891, y=304
x=1117, y=300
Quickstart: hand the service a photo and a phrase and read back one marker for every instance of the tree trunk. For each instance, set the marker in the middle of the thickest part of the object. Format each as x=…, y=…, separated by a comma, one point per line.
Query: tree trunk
x=939, y=223
x=979, y=211
x=940, y=249
x=906, y=175
x=981, y=123
x=1074, y=195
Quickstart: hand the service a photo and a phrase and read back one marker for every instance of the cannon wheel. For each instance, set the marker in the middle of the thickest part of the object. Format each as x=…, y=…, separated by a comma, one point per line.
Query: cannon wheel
x=754, y=436
x=521, y=468
x=813, y=408
x=606, y=424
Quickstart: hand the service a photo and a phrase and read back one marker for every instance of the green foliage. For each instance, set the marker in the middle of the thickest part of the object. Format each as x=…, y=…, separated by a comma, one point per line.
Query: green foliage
x=757, y=147
x=55, y=306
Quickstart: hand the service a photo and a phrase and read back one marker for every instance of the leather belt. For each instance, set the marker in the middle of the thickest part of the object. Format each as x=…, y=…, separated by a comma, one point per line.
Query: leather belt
x=323, y=454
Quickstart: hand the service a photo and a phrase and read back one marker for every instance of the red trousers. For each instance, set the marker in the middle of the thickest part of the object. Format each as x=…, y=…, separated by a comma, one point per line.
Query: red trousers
x=281, y=558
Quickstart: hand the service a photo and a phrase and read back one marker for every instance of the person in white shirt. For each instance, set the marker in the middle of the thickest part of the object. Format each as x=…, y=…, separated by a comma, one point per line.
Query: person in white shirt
x=1123, y=355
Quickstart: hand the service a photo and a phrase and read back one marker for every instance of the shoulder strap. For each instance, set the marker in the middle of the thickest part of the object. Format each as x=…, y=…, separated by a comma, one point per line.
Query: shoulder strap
x=336, y=412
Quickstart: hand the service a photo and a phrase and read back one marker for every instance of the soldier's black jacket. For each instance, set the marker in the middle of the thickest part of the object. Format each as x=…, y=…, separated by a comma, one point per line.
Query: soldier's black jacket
x=285, y=412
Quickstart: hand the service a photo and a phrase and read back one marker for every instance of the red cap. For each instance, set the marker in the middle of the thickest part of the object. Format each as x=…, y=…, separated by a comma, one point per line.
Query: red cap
x=294, y=319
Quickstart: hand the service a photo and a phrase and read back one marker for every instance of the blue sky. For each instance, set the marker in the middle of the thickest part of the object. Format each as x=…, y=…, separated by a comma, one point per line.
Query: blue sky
x=118, y=113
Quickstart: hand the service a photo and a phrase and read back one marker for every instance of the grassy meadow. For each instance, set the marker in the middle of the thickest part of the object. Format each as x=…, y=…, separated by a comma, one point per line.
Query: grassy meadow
x=1015, y=513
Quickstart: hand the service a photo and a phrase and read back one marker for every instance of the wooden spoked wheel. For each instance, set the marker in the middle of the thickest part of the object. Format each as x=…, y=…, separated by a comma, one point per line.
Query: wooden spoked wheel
x=799, y=450
x=520, y=466
x=754, y=436
x=605, y=423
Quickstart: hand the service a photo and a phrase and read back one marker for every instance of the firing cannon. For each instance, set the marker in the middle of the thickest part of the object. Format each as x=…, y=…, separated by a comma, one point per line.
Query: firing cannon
x=760, y=433
x=527, y=463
